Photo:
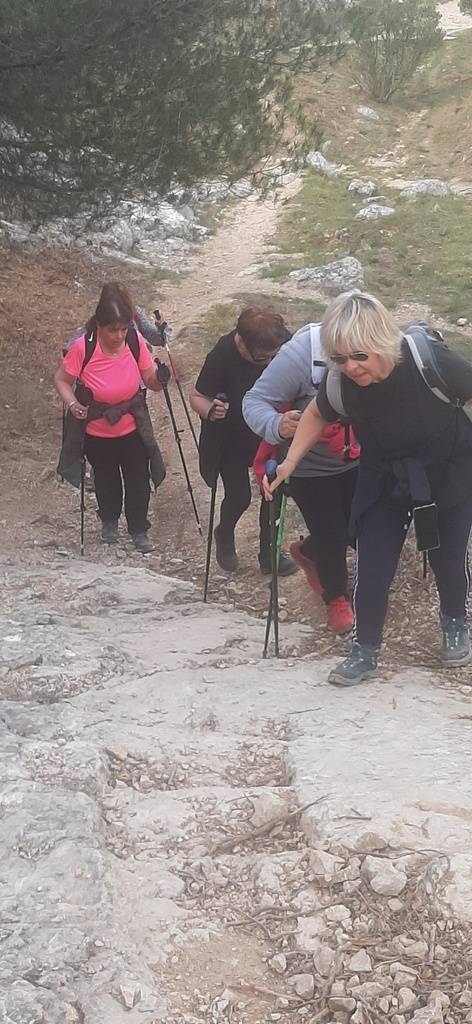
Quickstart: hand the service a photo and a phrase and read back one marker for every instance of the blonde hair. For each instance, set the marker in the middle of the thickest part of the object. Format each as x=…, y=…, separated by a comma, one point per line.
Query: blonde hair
x=358, y=322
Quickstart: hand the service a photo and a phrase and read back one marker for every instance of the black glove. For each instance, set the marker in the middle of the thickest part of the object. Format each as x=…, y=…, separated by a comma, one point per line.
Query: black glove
x=162, y=373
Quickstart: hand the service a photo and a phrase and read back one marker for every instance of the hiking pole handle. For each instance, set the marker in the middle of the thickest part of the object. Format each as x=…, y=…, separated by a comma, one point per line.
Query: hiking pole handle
x=162, y=373
x=271, y=467
x=220, y=397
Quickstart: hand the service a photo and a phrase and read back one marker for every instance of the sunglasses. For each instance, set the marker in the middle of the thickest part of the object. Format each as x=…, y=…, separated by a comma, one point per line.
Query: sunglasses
x=359, y=357
x=263, y=357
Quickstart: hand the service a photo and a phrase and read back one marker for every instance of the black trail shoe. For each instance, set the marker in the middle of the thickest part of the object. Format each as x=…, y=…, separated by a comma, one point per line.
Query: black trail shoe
x=359, y=665
x=225, y=551
x=110, y=532
x=142, y=543
x=456, y=647
x=286, y=566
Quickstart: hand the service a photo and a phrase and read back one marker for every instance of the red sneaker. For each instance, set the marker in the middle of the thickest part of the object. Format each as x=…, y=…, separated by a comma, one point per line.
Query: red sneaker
x=309, y=567
x=340, y=615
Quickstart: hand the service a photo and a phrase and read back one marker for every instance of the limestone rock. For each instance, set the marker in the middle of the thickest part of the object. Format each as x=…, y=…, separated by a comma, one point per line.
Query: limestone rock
x=360, y=962
x=374, y=212
x=268, y=806
x=402, y=975
x=333, y=278
x=278, y=963
x=338, y=914
x=430, y=186
x=369, y=991
x=363, y=188
x=368, y=113
x=428, y=1015
x=343, y=1004
x=323, y=864
x=324, y=960
x=370, y=842
x=304, y=985
x=309, y=930
x=320, y=163
x=407, y=1000
x=383, y=877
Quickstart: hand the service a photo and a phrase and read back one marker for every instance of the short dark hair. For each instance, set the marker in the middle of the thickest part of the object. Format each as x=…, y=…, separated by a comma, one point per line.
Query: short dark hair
x=115, y=306
x=261, y=329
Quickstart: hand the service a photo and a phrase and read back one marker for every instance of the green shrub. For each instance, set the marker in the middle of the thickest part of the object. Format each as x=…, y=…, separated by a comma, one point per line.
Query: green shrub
x=392, y=38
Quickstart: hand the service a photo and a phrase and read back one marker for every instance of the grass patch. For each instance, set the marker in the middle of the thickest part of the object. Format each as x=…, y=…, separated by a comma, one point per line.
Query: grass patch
x=420, y=254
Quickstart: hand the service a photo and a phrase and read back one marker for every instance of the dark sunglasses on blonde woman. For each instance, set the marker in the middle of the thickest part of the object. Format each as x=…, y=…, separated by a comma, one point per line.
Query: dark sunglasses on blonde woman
x=359, y=357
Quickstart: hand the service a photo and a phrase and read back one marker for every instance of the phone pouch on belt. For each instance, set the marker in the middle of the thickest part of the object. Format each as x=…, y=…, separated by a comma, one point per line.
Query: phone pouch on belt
x=425, y=518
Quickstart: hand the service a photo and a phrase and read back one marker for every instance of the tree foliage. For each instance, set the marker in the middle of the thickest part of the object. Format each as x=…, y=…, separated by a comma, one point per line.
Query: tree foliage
x=392, y=38
x=102, y=98
x=465, y=6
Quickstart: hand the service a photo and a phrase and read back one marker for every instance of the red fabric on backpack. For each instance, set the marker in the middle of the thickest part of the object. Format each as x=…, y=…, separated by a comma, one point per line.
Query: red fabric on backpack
x=264, y=452
x=333, y=436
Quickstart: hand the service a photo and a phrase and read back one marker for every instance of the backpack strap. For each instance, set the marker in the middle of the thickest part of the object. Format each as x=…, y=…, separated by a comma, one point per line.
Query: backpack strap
x=131, y=340
x=318, y=365
x=90, y=346
x=421, y=348
x=335, y=398
x=334, y=392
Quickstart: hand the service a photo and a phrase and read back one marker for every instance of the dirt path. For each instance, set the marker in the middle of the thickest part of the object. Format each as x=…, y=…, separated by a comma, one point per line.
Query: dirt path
x=452, y=19
x=243, y=239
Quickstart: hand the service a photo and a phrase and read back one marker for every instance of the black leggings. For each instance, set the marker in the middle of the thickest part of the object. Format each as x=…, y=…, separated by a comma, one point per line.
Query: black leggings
x=234, y=473
x=325, y=504
x=112, y=458
x=381, y=536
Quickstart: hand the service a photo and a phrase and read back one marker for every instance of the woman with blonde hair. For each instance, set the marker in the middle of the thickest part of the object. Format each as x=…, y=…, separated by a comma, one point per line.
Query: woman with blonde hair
x=416, y=463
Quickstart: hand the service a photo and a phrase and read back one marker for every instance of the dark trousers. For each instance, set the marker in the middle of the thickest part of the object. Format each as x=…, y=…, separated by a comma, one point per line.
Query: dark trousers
x=235, y=476
x=381, y=536
x=325, y=504
x=114, y=460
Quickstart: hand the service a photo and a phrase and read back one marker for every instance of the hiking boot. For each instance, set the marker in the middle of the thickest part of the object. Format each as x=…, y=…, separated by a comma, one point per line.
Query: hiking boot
x=142, y=543
x=456, y=647
x=110, y=532
x=361, y=664
x=307, y=564
x=340, y=615
x=285, y=568
x=225, y=551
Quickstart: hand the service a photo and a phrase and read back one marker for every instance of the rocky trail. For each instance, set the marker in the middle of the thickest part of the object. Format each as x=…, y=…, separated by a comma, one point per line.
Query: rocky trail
x=193, y=835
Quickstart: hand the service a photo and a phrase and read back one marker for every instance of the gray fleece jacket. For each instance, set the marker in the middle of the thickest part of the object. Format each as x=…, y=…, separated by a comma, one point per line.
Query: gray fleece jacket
x=293, y=377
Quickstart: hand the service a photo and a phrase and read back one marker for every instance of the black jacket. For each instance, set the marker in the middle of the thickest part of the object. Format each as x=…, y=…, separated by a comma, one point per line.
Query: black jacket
x=69, y=466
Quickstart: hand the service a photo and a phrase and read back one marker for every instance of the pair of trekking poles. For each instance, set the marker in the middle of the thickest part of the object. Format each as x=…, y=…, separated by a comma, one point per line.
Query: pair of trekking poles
x=276, y=531
x=161, y=326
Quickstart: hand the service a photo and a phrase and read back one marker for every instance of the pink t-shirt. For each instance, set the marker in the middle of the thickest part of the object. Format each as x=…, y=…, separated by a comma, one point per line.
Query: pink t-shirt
x=111, y=379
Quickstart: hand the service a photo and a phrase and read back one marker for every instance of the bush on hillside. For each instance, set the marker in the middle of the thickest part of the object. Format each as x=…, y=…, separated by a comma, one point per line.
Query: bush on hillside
x=392, y=38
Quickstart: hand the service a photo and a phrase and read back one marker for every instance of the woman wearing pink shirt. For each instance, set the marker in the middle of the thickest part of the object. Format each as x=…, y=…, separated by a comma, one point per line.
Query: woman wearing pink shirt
x=111, y=360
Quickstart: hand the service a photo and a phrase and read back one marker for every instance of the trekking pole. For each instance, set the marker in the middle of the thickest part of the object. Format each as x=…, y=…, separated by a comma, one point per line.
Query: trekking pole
x=221, y=398
x=280, y=533
x=275, y=522
x=179, y=443
x=164, y=331
x=82, y=504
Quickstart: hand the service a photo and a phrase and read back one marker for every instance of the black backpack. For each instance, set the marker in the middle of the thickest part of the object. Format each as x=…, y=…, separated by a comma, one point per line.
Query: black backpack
x=91, y=343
